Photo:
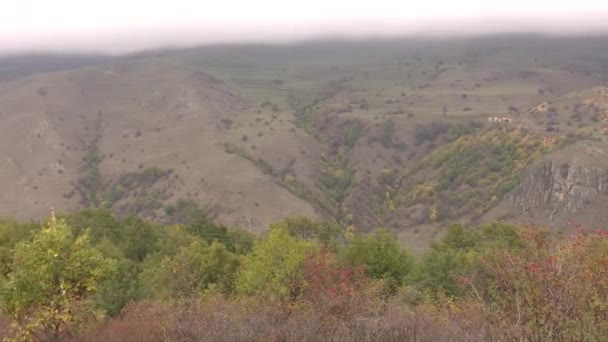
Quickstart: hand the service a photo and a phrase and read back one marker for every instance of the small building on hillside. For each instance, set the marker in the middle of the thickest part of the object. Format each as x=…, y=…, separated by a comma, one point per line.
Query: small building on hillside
x=498, y=119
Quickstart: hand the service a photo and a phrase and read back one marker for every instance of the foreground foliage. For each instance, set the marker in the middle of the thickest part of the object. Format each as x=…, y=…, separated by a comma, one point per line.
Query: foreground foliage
x=92, y=276
x=53, y=277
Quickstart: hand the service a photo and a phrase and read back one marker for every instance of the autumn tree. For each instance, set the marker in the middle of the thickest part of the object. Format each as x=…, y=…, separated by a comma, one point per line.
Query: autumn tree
x=274, y=268
x=332, y=286
x=48, y=292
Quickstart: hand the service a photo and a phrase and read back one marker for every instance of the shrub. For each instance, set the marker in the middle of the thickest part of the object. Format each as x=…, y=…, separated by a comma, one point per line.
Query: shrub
x=54, y=275
x=274, y=267
x=381, y=256
x=550, y=289
x=195, y=269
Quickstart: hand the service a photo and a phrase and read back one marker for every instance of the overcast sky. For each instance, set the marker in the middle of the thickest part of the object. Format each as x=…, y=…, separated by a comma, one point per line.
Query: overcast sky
x=128, y=25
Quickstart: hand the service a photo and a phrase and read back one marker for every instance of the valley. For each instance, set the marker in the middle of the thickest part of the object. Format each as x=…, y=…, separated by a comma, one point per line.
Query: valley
x=389, y=133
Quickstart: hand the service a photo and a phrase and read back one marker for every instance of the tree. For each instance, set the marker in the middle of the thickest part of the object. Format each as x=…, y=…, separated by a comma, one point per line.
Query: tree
x=308, y=228
x=236, y=240
x=194, y=270
x=458, y=253
x=54, y=275
x=382, y=257
x=332, y=286
x=113, y=294
x=138, y=238
x=274, y=268
x=207, y=230
x=173, y=238
x=99, y=223
x=184, y=211
x=11, y=233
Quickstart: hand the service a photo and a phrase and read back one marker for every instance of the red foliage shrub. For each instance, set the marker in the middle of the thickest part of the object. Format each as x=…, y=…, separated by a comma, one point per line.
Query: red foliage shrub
x=552, y=289
x=329, y=280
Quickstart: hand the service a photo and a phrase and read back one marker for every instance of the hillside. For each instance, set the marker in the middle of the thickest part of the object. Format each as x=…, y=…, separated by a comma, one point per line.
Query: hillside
x=391, y=133
x=140, y=135
x=14, y=66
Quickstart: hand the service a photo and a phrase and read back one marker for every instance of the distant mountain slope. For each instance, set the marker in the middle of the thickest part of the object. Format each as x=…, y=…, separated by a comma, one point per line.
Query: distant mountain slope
x=21, y=65
x=159, y=132
x=396, y=133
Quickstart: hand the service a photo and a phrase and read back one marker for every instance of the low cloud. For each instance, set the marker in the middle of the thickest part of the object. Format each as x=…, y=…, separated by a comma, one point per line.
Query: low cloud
x=120, y=27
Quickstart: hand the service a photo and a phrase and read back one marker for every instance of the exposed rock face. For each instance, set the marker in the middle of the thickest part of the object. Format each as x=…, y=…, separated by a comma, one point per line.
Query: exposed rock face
x=565, y=189
x=560, y=188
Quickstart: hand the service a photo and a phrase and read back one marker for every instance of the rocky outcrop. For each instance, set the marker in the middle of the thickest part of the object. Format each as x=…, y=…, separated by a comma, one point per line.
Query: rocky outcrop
x=566, y=188
x=560, y=189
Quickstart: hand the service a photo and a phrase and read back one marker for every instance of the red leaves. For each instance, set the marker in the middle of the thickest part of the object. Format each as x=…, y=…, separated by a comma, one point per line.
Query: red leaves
x=559, y=282
x=533, y=267
x=327, y=278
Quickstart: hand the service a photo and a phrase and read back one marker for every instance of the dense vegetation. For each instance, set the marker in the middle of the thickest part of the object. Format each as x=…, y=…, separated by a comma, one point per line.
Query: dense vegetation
x=469, y=175
x=90, y=275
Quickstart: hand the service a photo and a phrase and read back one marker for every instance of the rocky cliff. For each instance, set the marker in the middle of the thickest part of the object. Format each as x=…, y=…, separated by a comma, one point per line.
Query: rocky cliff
x=565, y=189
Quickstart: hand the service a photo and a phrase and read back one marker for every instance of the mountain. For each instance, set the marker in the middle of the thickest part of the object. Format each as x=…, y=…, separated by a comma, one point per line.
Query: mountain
x=137, y=134
x=408, y=134
x=14, y=66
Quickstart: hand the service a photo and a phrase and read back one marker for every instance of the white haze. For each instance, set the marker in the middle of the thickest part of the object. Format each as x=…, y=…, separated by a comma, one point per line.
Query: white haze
x=117, y=26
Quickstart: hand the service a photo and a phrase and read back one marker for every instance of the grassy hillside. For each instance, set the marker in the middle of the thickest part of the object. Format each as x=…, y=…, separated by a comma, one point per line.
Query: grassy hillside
x=308, y=192
x=325, y=128
x=18, y=66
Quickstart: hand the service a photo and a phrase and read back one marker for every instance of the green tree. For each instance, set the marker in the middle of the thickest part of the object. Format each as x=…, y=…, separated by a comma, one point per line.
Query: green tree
x=173, y=238
x=312, y=229
x=458, y=253
x=138, y=238
x=194, y=270
x=236, y=240
x=11, y=233
x=48, y=292
x=382, y=256
x=99, y=223
x=114, y=293
x=184, y=211
x=240, y=241
x=207, y=230
x=274, y=268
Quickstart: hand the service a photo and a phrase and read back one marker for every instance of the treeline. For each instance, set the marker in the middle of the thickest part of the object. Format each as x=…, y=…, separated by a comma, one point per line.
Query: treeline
x=92, y=276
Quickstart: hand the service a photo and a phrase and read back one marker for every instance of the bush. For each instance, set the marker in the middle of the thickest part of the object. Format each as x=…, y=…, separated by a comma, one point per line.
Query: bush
x=195, y=269
x=219, y=319
x=274, y=266
x=322, y=231
x=381, y=256
x=456, y=255
x=550, y=289
x=48, y=291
